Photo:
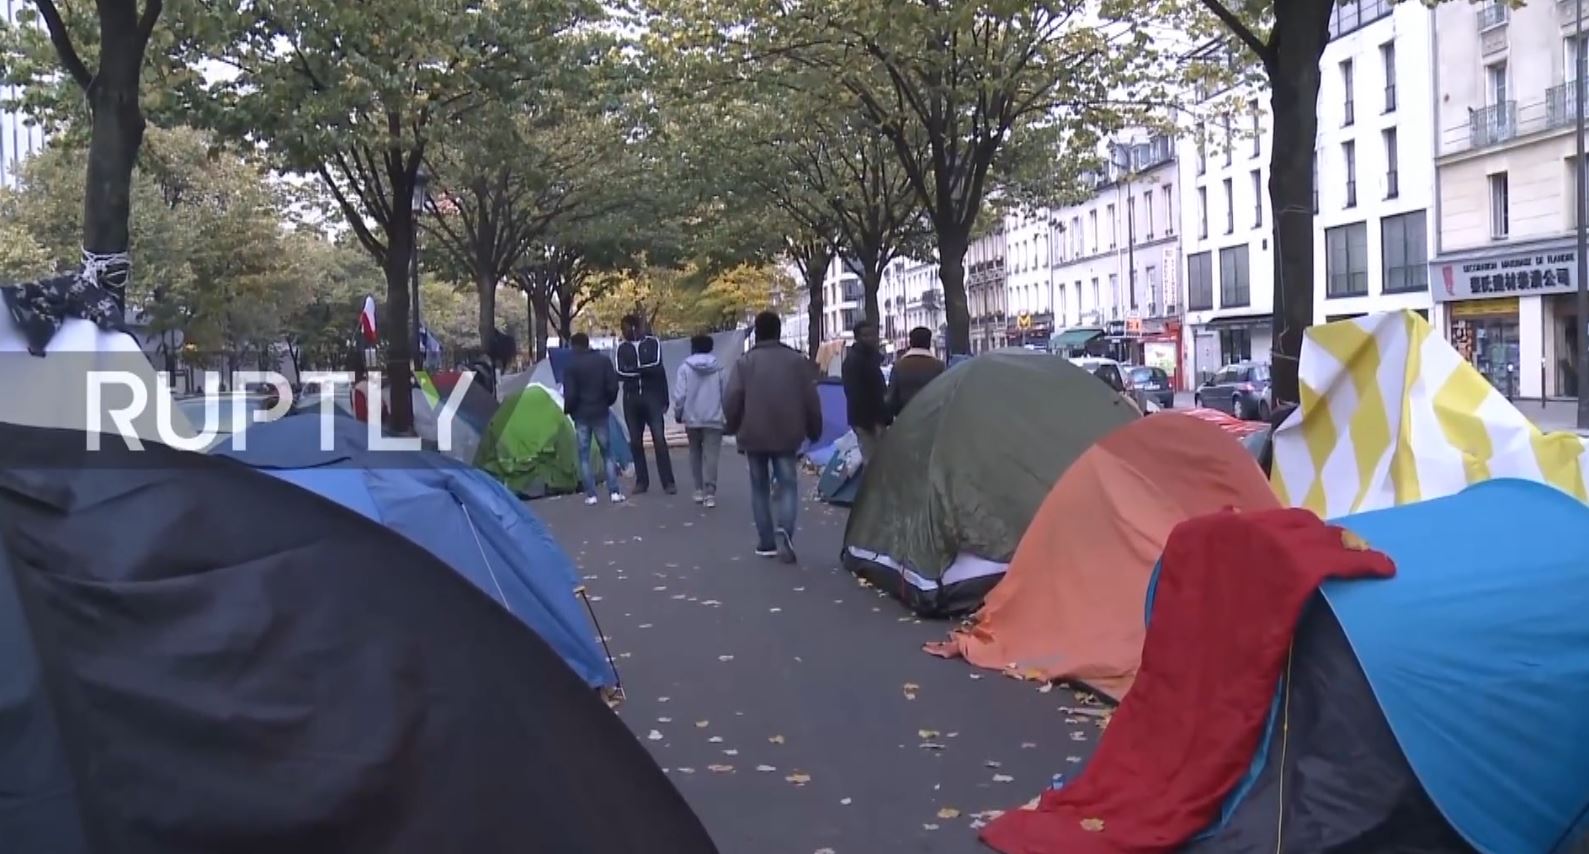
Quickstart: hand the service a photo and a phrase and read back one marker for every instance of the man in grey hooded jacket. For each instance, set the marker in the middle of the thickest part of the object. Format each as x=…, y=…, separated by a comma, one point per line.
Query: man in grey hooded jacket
x=698, y=405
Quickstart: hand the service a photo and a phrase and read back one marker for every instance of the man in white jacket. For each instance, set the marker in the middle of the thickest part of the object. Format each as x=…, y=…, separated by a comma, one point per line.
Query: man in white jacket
x=698, y=405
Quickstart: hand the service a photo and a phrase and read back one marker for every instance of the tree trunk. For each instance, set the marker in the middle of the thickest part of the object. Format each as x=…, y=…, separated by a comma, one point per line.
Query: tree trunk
x=871, y=283
x=1294, y=81
x=117, y=133
x=816, y=277
x=399, y=367
x=952, y=274
x=541, y=309
x=565, y=321
x=486, y=287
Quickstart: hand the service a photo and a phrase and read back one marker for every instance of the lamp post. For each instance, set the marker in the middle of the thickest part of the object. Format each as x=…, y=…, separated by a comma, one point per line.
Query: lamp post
x=1582, y=190
x=417, y=206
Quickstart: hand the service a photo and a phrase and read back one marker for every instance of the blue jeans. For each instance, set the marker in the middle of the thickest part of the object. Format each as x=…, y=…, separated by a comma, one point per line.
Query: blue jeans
x=601, y=435
x=774, y=491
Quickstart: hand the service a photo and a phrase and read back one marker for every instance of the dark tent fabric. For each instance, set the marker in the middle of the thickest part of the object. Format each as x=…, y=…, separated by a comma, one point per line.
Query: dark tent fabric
x=964, y=469
x=478, y=404
x=236, y=665
x=835, y=420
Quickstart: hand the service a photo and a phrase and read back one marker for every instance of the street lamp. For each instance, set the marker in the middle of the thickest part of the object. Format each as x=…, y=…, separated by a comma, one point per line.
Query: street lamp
x=417, y=206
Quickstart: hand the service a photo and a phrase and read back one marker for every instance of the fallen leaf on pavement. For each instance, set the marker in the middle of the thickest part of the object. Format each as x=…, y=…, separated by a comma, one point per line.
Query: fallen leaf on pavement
x=948, y=812
x=660, y=587
x=931, y=745
x=716, y=739
x=645, y=625
x=720, y=769
x=702, y=724
x=910, y=690
x=1074, y=760
x=823, y=851
x=799, y=590
x=1078, y=736
x=662, y=699
x=1092, y=825
x=976, y=676
x=725, y=658
x=1003, y=778
x=953, y=734
x=774, y=610
x=731, y=752
x=799, y=779
x=686, y=770
x=775, y=739
x=1045, y=687
x=844, y=802
x=1028, y=745
x=654, y=735
x=664, y=720
x=927, y=733
x=929, y=827
x=765, y=768
x=992, y=764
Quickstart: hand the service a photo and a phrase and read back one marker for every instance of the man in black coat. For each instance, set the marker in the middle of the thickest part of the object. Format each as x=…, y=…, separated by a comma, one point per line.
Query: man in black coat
x=645, y=402
x=590, y=388
x=865, y=392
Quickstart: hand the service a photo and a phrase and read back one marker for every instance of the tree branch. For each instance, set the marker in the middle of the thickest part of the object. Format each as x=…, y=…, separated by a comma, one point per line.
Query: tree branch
x=150, y=17
x=1259, y=48
x=62, y=39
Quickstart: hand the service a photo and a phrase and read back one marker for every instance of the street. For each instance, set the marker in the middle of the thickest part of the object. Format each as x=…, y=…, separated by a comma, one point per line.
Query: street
x=792, y=706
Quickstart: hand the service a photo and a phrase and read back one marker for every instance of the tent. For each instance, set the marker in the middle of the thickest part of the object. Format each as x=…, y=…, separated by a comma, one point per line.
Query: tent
x=201, y=658
x=1391, y=414
x=458, y=513
x=468, y=423
x=835, y=421
x=841, y=476
x=620, y=437
x=1070, y=607
x=1437, y=710
x=530, y=445
x=963, y=470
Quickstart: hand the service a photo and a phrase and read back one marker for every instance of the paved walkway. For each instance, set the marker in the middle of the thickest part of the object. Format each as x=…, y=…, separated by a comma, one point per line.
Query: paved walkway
x=793, y=707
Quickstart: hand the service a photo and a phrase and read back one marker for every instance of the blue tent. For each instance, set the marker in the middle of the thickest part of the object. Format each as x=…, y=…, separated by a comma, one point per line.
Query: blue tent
x=1443, y=708
x=835, y=420
x=458, y=513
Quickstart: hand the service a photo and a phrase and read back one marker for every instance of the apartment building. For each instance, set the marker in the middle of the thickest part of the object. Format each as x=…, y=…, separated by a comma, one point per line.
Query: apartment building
x=912, y=296
x=1372, y=191
x=1505, y=259
x=18, y=138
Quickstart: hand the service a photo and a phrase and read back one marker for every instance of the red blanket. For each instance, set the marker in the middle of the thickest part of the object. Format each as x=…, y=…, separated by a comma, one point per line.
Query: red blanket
x=1229, y=596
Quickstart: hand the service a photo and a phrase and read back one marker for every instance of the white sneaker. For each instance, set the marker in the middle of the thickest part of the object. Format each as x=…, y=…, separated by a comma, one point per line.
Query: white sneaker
x=710, y=501
x=589, y=500
x=697, y=497
x=617, y=498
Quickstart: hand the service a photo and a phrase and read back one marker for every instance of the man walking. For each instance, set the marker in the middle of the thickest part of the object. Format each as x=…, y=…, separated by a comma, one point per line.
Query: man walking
x=645, y=402
x=771, y=408
x=698, y=405
x=913, y=371
x=590, y=388
x=865, y=391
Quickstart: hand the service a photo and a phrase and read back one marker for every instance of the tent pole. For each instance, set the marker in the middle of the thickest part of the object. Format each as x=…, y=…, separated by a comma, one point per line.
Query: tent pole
x=618, y=677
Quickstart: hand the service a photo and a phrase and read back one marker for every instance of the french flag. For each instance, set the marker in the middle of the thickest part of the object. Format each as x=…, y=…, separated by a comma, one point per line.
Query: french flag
x=367, y=322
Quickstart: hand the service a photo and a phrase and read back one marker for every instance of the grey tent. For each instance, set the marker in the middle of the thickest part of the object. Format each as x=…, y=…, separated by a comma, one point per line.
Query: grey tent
x=962, y=472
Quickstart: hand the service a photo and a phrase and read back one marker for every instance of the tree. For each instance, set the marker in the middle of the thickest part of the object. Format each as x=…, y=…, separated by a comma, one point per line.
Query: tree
x=111, y=90
x=813, y=253
x=321, y=331
x=1288, y=40
x=356, y=94
x=949, y=85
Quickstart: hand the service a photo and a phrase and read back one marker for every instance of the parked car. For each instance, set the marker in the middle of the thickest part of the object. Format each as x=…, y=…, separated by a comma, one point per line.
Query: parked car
x=1241, y=389
x=1114, y=375
x=1153, y=384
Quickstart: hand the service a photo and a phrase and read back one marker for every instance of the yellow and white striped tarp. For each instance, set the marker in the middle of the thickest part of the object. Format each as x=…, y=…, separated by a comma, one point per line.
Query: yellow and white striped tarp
x=1392, y=414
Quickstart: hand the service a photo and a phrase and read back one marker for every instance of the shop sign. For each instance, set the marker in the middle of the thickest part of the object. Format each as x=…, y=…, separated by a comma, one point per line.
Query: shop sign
x=1485, y=307
x=1115, y=329
x=1531, y=273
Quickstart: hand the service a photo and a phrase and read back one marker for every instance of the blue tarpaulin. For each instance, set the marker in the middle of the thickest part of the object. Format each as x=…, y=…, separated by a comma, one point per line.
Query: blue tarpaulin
x=458, y=513
x=835, y=421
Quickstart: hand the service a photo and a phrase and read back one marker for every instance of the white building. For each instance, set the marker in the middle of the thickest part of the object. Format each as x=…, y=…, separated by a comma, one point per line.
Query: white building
x=1110, y=274
x=1371, y=233
x=18, y=138
x=1505, y=259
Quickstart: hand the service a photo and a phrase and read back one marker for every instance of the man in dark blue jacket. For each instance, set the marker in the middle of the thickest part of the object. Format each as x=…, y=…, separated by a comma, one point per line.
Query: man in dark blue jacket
x=590, y=388
x=645, y=402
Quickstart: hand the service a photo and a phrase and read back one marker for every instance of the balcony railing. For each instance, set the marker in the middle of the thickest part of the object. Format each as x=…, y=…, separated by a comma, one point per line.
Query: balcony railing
x=1493, y=14
x=1561, y=105
x=1493, y=125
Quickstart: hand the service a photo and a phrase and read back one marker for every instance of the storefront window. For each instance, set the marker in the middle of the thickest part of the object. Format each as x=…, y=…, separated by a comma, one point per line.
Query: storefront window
x=1235, y=345
x=1485, y=332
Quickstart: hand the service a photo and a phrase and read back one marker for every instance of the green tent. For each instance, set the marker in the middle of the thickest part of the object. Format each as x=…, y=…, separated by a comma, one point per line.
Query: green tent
x=963, y=470
x=530, y=446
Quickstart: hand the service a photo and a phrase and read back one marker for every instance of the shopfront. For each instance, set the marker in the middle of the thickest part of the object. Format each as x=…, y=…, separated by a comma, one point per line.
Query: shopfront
x=1510, y=314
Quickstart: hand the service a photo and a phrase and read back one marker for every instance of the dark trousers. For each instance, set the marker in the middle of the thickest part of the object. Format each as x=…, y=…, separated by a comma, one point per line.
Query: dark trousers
x=640, y=412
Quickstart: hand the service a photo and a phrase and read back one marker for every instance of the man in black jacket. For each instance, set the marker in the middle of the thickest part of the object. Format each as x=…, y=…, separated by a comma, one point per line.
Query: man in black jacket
x=645, y=402
x=865, y=392
x=913, y=371
x=590, y=388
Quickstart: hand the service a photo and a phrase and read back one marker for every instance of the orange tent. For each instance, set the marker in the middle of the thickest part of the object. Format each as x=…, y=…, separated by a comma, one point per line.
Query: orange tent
x=1071, y=605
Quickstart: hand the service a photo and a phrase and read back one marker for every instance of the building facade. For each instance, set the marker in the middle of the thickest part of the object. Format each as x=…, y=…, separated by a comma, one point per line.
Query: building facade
x=1505, y=262
x=1372, y=229
x=18, y=138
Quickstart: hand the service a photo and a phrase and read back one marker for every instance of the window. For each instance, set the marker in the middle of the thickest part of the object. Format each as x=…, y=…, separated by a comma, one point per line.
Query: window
x=1387, y=58
x=1346, y=260
x=1257, y=198
x=1236, y=346
x=1114, y=295
x=1348, y=96
x=1111, y=218
x=1230, y=148
x=1092, y=227
x=1257, y=128
x=1315, y=182
x=1200, y=281
x=1406, y=253
x=1392, y=165
x=1495, y=75
x=1234, y=290
x=1096, y=304
x=1230, y=208
x=1569, y=54
x=1349, y=154
x=1202, y=211
x=1062, y=313
x=1500, y=202
x=1155, y=301
x=1169, y=211
x=1202, y=152
x=1147, y=213
x=1076, y=242
x=1081, y=300
x=1131, y=220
